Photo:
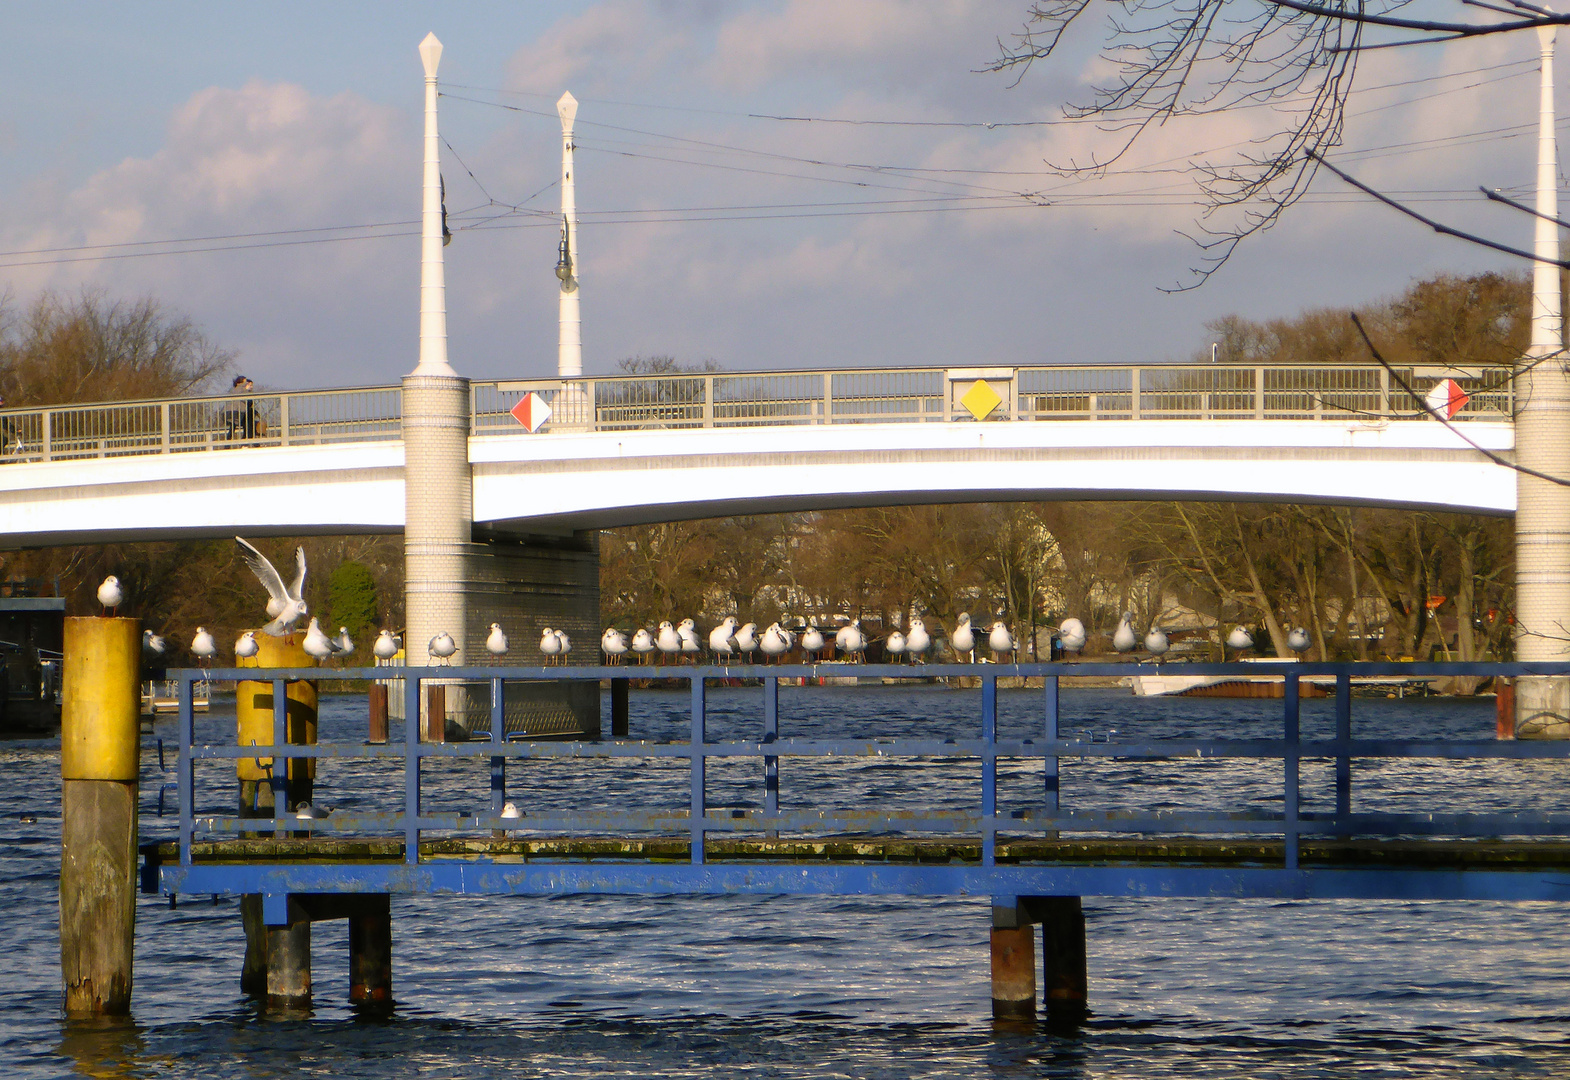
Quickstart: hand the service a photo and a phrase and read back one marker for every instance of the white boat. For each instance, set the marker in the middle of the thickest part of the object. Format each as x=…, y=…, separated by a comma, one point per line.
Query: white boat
x=1167, y=682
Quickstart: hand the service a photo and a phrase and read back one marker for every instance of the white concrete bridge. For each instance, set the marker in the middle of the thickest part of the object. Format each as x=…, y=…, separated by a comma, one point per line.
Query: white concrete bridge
x=698, y=445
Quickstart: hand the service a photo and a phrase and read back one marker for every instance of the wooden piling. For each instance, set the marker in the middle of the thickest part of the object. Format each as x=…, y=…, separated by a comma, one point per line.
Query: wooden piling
x=1063, y=977
x=377, y=698
x=1504, y=707
x=1013, y=961
x=436, y=713
x=99, y=762
x=370, y=954
x=289, y=963
x=619, y=708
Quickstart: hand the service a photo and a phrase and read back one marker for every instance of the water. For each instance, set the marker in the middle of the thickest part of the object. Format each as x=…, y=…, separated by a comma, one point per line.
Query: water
x=831, y=987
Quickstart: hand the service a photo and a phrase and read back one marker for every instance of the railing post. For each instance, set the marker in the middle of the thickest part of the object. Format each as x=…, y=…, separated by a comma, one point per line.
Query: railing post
x=1049, y=687
x=771, y=734
x=1343, y=736
x=989, y=768
x=163, y=427
x=283, y=419
x=1134, y=397
x=1384, y=393
x=411, y=767
x=185, y=776
x=1259, y=393
x=698, y=806
x=828, y=397
x=498, y=736
x=280, y=765
x=1289, y=812
x=48, y=432
x=708, y=401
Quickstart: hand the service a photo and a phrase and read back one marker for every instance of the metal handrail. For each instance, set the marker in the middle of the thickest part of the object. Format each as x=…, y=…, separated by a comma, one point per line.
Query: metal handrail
x=754, y=399
x=1047, y=813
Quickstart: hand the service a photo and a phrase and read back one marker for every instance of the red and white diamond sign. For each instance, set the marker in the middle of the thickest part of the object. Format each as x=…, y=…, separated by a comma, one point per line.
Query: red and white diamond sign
x=531, y=411
x=1447, y=398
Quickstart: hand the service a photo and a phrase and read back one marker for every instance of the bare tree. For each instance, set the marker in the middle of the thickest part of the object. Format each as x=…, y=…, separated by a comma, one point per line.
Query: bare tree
x=1176, y=58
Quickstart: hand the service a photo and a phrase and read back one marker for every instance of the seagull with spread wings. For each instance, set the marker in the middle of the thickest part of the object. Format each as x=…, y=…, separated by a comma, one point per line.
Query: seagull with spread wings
x=286, y=605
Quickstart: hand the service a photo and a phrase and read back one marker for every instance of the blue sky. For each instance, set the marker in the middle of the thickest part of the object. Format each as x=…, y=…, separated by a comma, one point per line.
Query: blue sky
x=133, y=125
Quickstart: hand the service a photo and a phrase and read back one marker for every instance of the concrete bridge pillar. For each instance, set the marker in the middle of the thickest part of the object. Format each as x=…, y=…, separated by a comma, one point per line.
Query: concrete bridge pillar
x=1542, y=522
x=438, y=508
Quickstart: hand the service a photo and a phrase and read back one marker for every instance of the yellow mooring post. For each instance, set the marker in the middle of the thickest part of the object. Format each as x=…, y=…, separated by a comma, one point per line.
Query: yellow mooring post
x=100, y=758
x=286, y=980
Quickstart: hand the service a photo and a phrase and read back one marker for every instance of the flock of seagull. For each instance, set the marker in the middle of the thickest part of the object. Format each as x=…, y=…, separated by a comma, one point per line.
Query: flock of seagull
x=679, y=641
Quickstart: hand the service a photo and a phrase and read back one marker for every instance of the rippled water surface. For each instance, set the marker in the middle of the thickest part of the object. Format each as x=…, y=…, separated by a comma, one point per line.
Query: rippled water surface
x=827, y=987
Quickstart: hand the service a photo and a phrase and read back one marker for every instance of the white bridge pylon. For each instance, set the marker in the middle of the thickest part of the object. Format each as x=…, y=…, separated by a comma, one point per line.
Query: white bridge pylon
x=577, y=480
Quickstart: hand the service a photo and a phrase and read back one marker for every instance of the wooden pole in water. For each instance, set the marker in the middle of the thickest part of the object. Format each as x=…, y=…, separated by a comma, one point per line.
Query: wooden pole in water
x=619, y=709
x=100, y=758
x=370, y=954
x=436, y=713
x=377, y=698
x=1063, y=957
x=1013, y=964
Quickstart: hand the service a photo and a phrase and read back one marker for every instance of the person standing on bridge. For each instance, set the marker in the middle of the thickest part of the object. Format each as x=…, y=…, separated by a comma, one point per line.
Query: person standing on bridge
x=240, y=421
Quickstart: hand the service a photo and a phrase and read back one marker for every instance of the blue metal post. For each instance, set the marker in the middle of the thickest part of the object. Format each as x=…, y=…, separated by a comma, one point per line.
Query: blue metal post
x=498, y=764
x=186, y=776
x=989, y=768
x=411, y=767
x=699, y=736
x=771, y=734
x=1049, y=685
x=280, y=767
x=1289, y=769
x=1343, y=736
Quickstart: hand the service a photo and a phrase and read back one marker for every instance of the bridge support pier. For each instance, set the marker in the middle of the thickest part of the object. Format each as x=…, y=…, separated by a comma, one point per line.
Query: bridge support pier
x=1063, y=977
x=289, y=963
x=370, y=954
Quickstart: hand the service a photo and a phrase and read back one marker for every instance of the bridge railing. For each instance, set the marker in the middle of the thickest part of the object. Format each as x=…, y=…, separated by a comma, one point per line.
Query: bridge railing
x=757, y=399
x=964, y=805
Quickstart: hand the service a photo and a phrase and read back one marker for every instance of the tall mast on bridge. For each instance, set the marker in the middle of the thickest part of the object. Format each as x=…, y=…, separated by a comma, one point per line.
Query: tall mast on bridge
x=1542, y=431
x=438, y=486
x=572, y=403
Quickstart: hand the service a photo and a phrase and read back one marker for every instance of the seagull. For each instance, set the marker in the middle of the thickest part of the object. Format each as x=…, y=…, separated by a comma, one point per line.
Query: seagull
x=747, y=640
x=1156, y=641
x=894, y=645
x=152, y=645
x=918, y=641
x=110, y=595
x=812, y=642
x=722, y=639
x=613, y=643
x=285, y=604
x=1071, y=635
x=496, y=643
x=687, y=631
x=773, y=642
x=343, y=642
x=999, y=640
x=855, y=641
x=442, y=646
x=203, y=645
x=564, y=645
x=246, y=645
x=1124, y=639
x=669, y=641
x=643, y=644
x=1240, y=639
x=318, y=644
x=963, y=638
x=510, y=811
x=386, y=646
x=1299, y=641
x=306, y=812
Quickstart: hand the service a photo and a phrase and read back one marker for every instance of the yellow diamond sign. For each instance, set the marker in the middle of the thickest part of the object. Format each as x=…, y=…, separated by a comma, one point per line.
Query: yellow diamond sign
x=980, y=400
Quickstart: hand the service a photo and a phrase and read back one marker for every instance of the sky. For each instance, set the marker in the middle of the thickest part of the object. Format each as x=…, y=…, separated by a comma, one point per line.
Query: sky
x=764, y=186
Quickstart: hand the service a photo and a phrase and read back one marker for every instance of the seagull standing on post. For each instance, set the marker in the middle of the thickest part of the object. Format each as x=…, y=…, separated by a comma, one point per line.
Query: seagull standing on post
x=1123, y=639
x=386, y=646
x=110, y=595
x=918, y=641
x=245, y=646
x=963, y=639
x=1000, y=641
x=496, y=643
x=203, y=646
x=643, y=644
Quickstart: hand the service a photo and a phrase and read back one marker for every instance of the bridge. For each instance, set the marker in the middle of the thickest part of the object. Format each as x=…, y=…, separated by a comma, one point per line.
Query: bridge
x=660, y=448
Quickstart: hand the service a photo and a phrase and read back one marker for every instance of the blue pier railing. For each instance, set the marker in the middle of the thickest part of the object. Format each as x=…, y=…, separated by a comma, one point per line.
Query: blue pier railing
x=1078, y=849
